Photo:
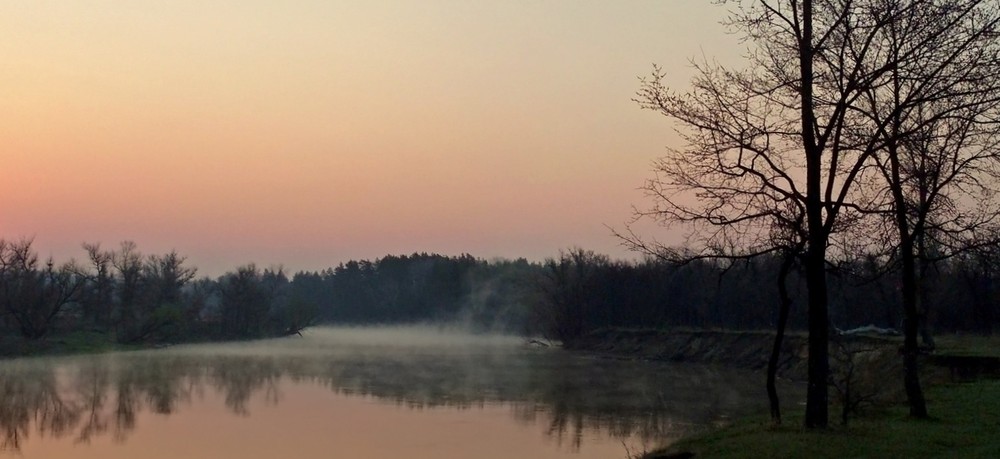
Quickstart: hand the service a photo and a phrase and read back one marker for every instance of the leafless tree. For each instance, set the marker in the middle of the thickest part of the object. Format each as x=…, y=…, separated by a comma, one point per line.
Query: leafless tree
x=784, y=138
x=566, y=293
x=752, y=155
x=34, y=296
x=98, y=298
x=127, y=262
x=149, y=292
x=930, y=125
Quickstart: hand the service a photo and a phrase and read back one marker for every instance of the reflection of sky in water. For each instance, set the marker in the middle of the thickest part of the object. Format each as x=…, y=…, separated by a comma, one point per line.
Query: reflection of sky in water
x=376, y=393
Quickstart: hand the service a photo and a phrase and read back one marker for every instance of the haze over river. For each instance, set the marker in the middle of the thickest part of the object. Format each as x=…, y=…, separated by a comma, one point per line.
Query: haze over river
x=415, y=392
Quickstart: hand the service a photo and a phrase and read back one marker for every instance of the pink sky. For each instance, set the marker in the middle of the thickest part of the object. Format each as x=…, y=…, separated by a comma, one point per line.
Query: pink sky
x=308, y=133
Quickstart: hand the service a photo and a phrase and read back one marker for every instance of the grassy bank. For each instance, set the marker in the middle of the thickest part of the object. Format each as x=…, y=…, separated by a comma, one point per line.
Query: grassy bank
x=965, y=423
x=93, y=342
x=78, y=342
x=969, y=345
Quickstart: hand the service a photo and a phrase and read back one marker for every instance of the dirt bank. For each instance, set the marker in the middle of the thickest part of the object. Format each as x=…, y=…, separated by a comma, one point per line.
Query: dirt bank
x=742, y=349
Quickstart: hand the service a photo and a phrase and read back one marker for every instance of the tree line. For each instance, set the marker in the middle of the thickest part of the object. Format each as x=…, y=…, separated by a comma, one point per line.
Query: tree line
x=483, y=295
x=133, y=297
x=581, y=291
x=137, y=298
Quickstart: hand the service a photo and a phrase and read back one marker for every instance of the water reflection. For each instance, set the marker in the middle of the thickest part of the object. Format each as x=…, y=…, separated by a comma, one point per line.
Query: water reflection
x=566, y=394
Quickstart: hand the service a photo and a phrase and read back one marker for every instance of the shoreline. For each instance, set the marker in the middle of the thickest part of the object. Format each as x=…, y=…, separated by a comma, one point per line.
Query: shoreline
x=963, y=395
x=738, y=349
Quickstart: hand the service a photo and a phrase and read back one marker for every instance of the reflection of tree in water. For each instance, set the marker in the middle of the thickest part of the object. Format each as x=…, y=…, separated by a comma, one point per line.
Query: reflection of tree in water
x=570, y=394
x=32, y=393
x=240, y=378
x=656, y=403
x=92, y=388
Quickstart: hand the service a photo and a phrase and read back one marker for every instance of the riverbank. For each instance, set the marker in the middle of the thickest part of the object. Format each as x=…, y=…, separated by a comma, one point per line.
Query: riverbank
x=79, y=342
x=96, y=342
x=739, y=349
x=965, y=421
x=966, y=414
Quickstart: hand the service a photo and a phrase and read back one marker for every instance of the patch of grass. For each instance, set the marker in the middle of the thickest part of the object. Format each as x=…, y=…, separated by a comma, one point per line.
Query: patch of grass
x=965, y=423
x=83, y=342
x=968, y=345
x=77, y=342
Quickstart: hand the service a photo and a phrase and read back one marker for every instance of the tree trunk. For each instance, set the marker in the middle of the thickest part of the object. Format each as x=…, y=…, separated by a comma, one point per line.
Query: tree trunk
x=819, y=364
x=819, y=340
x=911, y=328
x=923, y=300
x=907, y=234
x=772, y=362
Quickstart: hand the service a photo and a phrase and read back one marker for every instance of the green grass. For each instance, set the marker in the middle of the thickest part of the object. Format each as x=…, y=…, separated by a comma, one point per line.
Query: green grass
x=965, y=423
x=968, y=345
x=77, y=342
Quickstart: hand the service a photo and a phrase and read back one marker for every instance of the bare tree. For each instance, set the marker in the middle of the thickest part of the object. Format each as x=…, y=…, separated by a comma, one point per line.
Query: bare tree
x=33, y=296
x=98, y=297
x=567, y=294
x=127, y=262
x=737, y=187
x=781, y=139
x=930, y=123
x=165, y=276
x=149, y=292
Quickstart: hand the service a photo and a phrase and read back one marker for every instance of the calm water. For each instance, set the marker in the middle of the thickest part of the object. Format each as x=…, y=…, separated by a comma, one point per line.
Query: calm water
x=359, y=393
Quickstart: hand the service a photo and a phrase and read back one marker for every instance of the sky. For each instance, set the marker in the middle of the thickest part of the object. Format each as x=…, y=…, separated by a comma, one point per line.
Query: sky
x=308, y=133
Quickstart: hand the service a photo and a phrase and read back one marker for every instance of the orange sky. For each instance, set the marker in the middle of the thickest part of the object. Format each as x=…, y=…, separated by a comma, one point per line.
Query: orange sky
x=311, y=132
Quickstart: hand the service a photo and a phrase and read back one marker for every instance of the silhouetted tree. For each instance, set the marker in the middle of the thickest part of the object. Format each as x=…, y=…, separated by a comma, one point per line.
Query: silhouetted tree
x=127, y=262
x=149, y=293
x=34, y=297
x=97, y=298
x=928, y=123
x=570, y=294
x=786, y=134
x=245, y=302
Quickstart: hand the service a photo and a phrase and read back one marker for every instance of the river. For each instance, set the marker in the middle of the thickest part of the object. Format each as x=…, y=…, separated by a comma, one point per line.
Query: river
x=414, y=392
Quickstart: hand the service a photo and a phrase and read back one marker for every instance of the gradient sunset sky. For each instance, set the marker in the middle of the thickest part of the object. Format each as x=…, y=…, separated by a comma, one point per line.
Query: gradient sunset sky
x=307, y=133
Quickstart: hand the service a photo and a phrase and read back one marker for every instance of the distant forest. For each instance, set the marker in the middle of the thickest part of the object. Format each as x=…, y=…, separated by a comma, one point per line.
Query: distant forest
x=138, y=298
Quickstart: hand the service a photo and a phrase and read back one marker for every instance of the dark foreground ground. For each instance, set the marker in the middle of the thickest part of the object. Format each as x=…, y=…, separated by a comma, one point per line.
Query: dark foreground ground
x=960, y=377
x=965, y=423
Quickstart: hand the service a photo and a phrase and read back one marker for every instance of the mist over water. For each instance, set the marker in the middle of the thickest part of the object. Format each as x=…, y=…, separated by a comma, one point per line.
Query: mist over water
x=420, y=392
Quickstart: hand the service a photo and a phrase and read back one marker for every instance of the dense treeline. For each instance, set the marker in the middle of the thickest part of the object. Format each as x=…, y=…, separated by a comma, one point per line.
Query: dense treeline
x=583, y=291
x=136, y=298
x=156, y=298
x=486, y=295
